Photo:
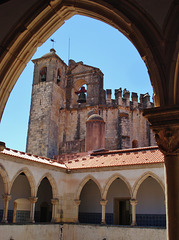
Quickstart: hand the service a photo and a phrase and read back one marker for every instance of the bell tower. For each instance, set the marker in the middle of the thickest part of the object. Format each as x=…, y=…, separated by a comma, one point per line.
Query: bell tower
x=48, y=96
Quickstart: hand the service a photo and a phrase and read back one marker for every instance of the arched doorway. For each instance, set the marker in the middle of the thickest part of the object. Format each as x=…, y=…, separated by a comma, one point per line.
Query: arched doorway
x=90, y=208
x=43, y=207
x=150, y=210
x=118, y=210
x=19, y=205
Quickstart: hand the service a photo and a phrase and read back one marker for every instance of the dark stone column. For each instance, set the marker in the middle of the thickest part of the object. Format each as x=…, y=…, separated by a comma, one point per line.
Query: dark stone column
x=165, y=124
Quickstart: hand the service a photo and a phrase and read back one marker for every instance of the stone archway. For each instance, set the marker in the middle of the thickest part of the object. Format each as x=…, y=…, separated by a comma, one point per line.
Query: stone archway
x=43, y=207
x=20, y=45
x=5, y=180
x=142, y=178
x=30, y=178
x=52, y=183
x=154, y=32
x=90, y=208
x=117, y=193
x=82, y=184
x=111, y=180
x=150, y=208
x=20, y=189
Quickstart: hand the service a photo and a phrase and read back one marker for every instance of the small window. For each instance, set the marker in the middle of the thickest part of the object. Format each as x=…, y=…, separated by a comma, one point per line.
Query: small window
x=58, y=76
x=43, y=74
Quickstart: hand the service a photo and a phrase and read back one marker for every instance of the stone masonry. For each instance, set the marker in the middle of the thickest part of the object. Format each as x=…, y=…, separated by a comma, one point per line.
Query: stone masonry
x=57, y=122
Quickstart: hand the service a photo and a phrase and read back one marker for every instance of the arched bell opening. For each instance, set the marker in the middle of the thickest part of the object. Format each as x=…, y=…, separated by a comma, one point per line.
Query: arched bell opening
x=43, y=74
x=82, y=94
x=79, y=92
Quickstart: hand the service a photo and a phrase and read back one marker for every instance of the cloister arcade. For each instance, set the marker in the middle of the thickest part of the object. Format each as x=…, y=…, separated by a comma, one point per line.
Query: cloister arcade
x=153, y=29
x=116, y=202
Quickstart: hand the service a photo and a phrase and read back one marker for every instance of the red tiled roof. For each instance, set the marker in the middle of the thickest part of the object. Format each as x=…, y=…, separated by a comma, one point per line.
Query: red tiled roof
x=31, y=157
x=128, y=157
x=116, y=158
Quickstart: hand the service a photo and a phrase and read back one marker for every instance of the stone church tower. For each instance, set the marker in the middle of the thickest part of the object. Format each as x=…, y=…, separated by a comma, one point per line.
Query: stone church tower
x=48, y=97
x=57, y=122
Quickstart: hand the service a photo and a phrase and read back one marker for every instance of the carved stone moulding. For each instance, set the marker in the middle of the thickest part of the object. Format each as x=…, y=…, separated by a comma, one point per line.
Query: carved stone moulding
x=164, y=121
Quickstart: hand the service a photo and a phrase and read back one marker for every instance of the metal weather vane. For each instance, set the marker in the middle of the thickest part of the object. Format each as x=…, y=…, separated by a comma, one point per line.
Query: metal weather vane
x=53, y=42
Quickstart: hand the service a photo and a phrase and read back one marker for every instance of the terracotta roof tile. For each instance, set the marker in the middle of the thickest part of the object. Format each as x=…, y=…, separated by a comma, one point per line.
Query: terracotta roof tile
x=34, y=158
x=150, y=155
x=127, y=157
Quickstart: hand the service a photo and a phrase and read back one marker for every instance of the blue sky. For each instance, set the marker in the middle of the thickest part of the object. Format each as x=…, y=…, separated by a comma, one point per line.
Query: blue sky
x=91, y=41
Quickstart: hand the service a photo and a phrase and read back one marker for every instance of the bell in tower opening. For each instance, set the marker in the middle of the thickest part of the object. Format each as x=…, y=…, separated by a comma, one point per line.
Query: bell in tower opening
x=81, y=95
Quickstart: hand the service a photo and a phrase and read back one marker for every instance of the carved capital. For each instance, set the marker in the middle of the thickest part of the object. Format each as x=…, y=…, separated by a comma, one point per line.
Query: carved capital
x=103, y=202
x=165, y=124
x=6, y=197
x=33, y=199
x=168, y=140
x=133, y=202
x=54, y=201
x=77, y=202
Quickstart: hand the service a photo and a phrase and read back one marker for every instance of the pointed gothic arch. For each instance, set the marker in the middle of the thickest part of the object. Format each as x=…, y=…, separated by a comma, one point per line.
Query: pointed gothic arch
x=141, y=179
x=82, y=184
x=5, y=179
x=44, y=19
x=111, y=180
x=52, y=183
x=30, y=179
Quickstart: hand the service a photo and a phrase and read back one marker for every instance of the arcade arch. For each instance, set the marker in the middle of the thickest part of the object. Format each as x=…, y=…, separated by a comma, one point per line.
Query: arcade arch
x=30, y=178
x=111, y=180
x=43, y=206
x=5, y=180
x=52, y=183
x=155, y=39
x=82, y=184
x=150, y=209
x=142, y=178
x=19, y=210
x=118, y=197
x=1, y=197
x=90, y=208
x=125, y=19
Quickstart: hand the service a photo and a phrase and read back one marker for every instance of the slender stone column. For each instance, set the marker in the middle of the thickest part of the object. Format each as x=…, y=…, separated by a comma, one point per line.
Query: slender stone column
x=6, y=198
x=133, y=203
x=165, y=124
x=103, y=204
x=77, y=202
x=32, y=200
x=14, y=212
x=54, y=202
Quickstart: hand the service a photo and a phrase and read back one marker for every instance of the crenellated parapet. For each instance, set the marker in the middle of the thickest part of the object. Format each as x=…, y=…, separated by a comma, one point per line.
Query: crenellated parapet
x=123, y=99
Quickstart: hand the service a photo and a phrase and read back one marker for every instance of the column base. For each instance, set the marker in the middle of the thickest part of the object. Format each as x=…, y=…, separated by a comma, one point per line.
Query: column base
x=133, y=224
x=4, y=221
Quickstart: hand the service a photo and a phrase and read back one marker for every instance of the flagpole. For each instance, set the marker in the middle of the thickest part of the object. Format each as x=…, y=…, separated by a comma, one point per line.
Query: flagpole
x=68, y=50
